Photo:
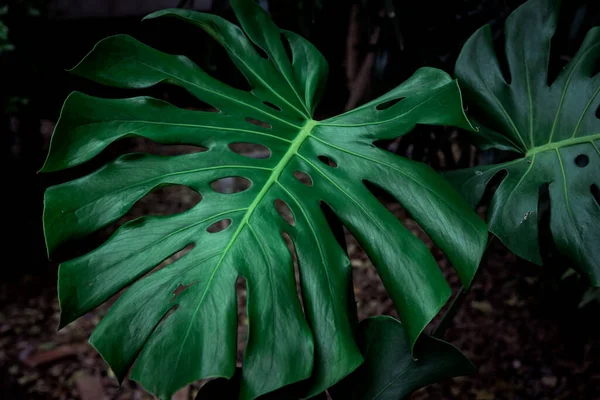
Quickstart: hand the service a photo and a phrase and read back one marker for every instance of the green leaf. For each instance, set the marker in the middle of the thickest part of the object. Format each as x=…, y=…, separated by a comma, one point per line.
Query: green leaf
x=554, y=127
x=390, y=371
x=176, y=339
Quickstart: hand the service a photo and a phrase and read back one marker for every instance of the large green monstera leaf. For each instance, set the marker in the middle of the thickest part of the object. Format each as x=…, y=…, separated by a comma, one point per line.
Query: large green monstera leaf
x=554, y=127
x=170, y=337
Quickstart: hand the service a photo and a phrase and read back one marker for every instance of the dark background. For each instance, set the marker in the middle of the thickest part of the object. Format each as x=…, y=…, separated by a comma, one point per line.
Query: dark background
x=526, y=326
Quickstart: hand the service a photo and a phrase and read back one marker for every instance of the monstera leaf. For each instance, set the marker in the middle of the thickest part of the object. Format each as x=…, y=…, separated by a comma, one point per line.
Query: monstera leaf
x=555, y=128
x=390, y=371
x=178, y=324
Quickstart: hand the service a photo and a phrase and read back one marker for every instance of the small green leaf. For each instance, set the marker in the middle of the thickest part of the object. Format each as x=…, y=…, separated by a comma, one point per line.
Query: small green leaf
x=554, y=128
x=390, y=371
x=175, y=340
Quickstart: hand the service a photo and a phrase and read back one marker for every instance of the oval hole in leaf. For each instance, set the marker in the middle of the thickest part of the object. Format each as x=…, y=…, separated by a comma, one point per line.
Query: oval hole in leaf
x=165, y=200
x=219, y=226
x=140, y=146
x=328, y=161
x=582, y=160
x=231, y=184
x=387, y=104
x=251, y=150
x=303, y=177
x=257, y=122
x=284, y=210
x=273, y=106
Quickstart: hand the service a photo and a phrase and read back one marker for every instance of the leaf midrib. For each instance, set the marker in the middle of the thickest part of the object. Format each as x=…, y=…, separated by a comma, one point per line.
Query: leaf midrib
x=275, y=174
x=563, y=143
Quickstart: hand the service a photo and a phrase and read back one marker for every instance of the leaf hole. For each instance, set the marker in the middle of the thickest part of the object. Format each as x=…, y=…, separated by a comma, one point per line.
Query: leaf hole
x=548, y=248
x=257, y=122
x=284, y=210
x=174, y=257
x=371, y=296
x=303, y=178
x=292, y=249
x=499, y=45
x=273, y=106
x=180, y=289
x=335, y=224
x=241, y=290
x=328, y=161
x=287, y=47
x=231, y=184
x=164, y=200
x=387, y=104
x=598, y=112
x=251, y=150
x=261, y=52
x=219, y=226
x=170, y=260
x=388, y=201
x=491, y=186
x=582, y=160
x=168, y=314
x=141, y=146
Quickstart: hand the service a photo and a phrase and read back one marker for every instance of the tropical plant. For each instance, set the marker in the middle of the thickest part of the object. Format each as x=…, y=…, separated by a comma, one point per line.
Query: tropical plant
x=390, y=370
x=554, y=127
x=178, y=324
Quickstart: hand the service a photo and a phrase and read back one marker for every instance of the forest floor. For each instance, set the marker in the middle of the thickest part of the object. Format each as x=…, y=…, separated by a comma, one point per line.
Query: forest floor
x=520, y=324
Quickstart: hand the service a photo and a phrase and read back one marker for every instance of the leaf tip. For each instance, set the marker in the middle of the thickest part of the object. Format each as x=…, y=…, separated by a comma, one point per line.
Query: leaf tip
x=165, y=12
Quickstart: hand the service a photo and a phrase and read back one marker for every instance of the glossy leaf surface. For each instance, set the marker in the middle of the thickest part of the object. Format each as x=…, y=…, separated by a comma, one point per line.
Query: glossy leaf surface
x=391, y=371
x=555, y=128
x=173, y=337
